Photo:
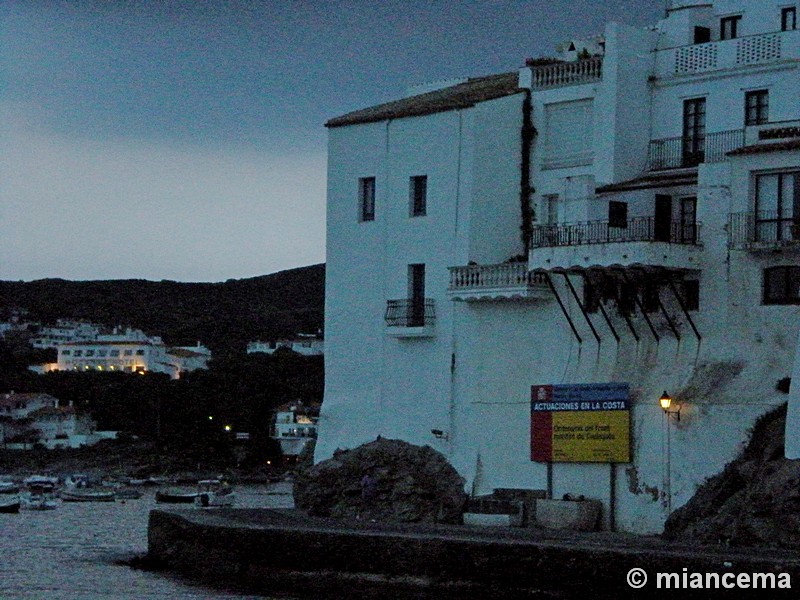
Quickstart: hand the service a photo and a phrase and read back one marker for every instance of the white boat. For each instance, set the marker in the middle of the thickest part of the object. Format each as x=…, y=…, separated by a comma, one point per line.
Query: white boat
x=8, y=487
x=214, y=493
x=71, y=494
x=41, y=496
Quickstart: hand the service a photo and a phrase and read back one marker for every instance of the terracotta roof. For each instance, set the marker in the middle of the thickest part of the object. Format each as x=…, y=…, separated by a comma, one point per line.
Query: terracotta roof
x=184, y=353
x=758, y=148
x=47, y=411
x=654, y=180
x=462, y=95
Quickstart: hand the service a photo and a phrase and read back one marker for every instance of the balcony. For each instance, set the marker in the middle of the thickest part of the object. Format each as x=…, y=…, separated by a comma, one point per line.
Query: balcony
x=763, y=231
x=407, y=318
x=674, y=153
x=641, y=241
x=567, y=73
x=728, y=54
x=507, y=281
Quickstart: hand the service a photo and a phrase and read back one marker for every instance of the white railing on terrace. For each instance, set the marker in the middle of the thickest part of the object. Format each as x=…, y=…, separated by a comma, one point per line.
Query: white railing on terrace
x=568, y=73
x=505, y=275
x=728, y=54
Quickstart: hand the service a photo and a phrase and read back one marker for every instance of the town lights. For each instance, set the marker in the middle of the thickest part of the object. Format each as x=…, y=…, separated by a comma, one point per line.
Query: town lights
x=227, y=428
x=666, y=402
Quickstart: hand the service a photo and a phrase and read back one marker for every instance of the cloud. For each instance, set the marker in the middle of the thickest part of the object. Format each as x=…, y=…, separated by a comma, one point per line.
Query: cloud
x=101, y=209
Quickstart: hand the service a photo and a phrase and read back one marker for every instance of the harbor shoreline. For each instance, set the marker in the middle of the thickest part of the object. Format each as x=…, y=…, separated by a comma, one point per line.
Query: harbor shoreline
x=284, y=551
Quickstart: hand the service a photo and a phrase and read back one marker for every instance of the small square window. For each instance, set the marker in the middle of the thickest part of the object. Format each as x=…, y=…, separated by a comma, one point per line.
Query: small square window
x=366, y=199
x=788, y=18
x=140, y=353
x=78, y=352
x=114, y=353
x=729, y=27
x=128, y=352
x=66, y=352
x=618, y=214
x=90, y=353
x=782, y=285
x=756, y=107
x=418, y=195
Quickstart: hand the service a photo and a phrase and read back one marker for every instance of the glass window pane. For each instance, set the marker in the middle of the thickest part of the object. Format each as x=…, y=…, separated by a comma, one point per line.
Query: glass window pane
x=767, y=196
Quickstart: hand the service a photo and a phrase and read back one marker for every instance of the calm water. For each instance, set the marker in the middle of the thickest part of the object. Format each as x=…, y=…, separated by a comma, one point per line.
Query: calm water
x=71, y=553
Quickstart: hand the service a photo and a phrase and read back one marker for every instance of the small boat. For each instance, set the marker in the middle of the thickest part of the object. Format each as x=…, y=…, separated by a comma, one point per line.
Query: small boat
x=9, y=505
x=86, y=495
x=8, y=487
x=127, y=493
x=213, y=493
x=40, y=496
x=175, y=497
x=40, y=480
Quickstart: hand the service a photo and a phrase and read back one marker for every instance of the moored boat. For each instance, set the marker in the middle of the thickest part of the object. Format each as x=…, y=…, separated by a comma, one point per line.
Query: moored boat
x=41, y=496
x=8, y=487
x=9, y=505
x=86, y=495
x=175, y=497
x=214, y=493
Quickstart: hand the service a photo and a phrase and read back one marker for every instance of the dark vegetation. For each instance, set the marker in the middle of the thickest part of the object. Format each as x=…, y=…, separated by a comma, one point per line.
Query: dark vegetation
x=170, y=426
x=224, y=316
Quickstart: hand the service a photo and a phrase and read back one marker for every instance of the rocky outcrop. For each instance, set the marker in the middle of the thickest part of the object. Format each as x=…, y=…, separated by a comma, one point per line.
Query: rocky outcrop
x=755, y=501
x=414, y=484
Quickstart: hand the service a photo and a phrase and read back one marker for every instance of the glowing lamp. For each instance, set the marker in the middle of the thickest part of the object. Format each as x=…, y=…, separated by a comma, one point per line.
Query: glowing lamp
x=665, y=401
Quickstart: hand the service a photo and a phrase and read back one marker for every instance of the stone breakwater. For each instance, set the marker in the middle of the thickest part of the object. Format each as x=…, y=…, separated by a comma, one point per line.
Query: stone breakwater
x=276, y=552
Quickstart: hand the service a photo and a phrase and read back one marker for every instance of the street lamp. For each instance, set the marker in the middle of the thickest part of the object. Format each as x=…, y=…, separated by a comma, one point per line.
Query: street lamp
x=666, y=402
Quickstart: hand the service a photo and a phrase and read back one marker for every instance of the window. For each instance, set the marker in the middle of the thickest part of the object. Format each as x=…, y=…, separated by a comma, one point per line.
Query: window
x=689, y=220
x=782, y=285
x=128, y=352
x=788, y=18
x=366, y=199
x=650, y=300
x=78, y=352
x=729, y=27
x=102, y=352
x=756, y=107
x=66, y=352
x=777, y=207
x=702, y=35
x=140, y=353
x=90, y=353
x=416, y=295
x=591, y=297
x=417, y=195
x=691, y=294
x=617, y=214
x=694, y=132
x=114, y=353
x=568, y=134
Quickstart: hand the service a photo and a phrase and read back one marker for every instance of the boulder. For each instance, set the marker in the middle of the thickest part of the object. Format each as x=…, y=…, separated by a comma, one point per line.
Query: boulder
x=754, y=501
x=414, y=484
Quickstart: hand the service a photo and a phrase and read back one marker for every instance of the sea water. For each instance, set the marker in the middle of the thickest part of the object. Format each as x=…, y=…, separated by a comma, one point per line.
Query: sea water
x=80, y=551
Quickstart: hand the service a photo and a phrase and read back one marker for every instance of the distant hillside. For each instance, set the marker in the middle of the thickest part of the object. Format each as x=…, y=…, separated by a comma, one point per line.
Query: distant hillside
x=224, y=316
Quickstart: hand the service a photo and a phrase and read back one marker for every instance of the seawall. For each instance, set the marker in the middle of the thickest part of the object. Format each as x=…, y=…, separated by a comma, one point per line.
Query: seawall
x=274, y=551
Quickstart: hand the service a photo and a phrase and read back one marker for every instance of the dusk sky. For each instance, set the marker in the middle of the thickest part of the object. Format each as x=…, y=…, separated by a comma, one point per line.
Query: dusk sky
x=185, y=140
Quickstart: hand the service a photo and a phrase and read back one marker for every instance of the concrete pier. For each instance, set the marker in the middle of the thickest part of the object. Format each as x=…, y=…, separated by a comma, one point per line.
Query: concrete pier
x=277, y=552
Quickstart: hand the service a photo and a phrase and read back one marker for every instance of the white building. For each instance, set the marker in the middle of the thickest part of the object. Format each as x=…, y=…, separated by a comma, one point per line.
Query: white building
x=294, y=426
x=307, y=344
x=65, y=331
x=630, y=216
x=40, y=418
x=131, y=352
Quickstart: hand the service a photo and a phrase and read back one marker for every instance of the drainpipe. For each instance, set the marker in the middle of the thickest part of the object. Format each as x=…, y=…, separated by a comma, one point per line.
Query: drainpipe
x=525, y=189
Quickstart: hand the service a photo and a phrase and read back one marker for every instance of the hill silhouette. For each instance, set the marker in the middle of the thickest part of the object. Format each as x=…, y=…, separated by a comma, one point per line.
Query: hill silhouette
x=224, y=316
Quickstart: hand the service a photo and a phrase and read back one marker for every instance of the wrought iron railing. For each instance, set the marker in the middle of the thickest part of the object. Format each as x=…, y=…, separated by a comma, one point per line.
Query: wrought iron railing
x=762, y=228
x=681, y=152
x=568, y=73
x=505, y=275
x=410, y=313
x=635, y=229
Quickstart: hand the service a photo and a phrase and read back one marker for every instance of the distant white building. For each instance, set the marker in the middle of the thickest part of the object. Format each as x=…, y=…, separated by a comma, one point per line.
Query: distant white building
x=65, y=331
x=295, y=425
x=130, y=352
x=628, y=216
x=305, y=344
x=27, y=419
